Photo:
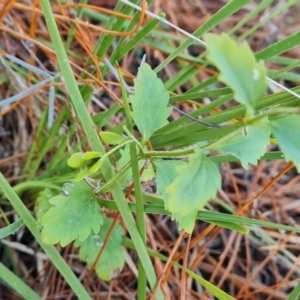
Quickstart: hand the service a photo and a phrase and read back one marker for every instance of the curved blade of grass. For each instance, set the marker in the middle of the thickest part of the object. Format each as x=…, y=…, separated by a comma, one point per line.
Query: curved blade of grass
x=96, y=143
x=231, y=226
x=17, y=284
x=10, y=229
x=51, y=252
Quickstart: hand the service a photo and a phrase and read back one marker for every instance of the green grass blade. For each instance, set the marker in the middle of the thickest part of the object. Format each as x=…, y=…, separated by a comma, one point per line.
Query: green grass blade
x=294, y=295
x=10, y=229
x=17, y=284
x=281, y=46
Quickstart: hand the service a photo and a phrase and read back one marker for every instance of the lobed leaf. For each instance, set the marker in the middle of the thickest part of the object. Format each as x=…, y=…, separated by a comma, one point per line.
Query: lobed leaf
x=42, y=204
x=247, y=144
x=150, y=103
x=75, y=214
x=196, y=183
x=238, y=69
x=112, y=259
x=286, y=130
x=165, y=175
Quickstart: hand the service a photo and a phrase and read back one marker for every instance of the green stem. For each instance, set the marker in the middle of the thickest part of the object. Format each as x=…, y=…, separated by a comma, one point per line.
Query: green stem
x=133, y=138
x=174, y=153
x=111, y=151
x=105, y=188
x=138, y=191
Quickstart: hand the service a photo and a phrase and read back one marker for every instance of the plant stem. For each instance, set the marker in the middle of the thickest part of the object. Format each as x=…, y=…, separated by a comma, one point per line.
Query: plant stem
x=105, y=188
x=138, y=192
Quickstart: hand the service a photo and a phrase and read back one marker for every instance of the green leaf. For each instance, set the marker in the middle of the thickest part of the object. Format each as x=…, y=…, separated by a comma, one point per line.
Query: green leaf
x=96, y=166
x=77, y=161
x=210, y=287
x=196, y=183
x=286, y=130
x=75, y=214
x=126, y=179
x=112, y=259
x=82, y=174
x=10, y=229
x=91, y=155
x=238, y=69
x=247, y=144
x=150, y=103
x=166, y=174
x=111, y=138
x=42, y=204
x=231, y=226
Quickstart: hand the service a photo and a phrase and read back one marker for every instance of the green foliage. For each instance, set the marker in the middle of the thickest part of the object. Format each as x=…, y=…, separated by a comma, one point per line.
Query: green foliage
x=89, y=155
x=238, y=69
x=82, y=174
x=248, y=144
x=185, y=186
x=77, y=161
x=231, y=226
x=10, y=229
x=149, y=103
x=96, y=166
x=80, y=160
x=287, y=132
x=165, y=175
x=210, y=287
x=84, y=160
x=75, y=214
x=112, y=259
x=111, y=138
x=42, y=204
x=196, y=183
x=126, y=179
